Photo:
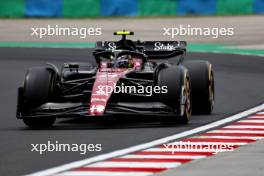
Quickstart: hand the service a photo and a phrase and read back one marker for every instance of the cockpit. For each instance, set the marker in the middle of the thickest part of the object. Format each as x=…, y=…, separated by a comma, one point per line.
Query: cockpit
x=119, y=59
x=124, y=61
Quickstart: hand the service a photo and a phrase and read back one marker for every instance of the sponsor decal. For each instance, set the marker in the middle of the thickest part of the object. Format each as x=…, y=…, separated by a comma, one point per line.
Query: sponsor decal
x=106, y=77
x=111, y=46
x=97, y=108
x=161, y=46
x=98, y=99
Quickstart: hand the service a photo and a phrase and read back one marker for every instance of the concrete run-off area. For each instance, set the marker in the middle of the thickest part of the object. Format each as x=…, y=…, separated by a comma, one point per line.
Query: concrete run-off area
x=248, y=30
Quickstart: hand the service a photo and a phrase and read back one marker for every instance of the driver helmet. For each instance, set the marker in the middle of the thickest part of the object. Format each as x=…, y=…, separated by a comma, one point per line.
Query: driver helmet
x=125, y=61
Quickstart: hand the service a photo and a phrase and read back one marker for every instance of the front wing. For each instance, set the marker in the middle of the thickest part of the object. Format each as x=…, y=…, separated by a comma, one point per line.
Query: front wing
x=70, y=110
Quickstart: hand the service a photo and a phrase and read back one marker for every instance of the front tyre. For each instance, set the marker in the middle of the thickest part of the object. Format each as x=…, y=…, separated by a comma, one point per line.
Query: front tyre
x=178, y=95
x=39, y=87
x=39, y=122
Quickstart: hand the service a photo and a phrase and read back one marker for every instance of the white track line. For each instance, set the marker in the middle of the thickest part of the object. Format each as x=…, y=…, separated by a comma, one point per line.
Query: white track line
x=257, y=117
x=252, y=121
x=208, y=143
x=164, y=156
x=237, y=131
x=233, y=137
x=117, y=153
x=135, y=164
x=172, y=150
x=244, y=126
x=197, y=149
x=261, y=112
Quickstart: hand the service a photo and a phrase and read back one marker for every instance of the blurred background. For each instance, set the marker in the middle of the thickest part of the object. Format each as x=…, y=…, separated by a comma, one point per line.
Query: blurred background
x=146, y=17
x=98, y=8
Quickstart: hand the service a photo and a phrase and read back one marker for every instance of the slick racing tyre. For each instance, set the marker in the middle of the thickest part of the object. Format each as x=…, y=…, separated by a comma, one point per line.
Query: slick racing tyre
x=177, y=80
x=202, y=80
x=39, y=87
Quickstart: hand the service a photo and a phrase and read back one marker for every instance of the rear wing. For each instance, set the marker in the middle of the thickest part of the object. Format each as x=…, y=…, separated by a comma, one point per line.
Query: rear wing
x=163, y=45
x=164, y=49
x=147, y=45
x=153, y=49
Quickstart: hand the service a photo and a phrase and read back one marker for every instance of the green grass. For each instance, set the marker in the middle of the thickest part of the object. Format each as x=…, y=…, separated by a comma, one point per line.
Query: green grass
x=211, y=48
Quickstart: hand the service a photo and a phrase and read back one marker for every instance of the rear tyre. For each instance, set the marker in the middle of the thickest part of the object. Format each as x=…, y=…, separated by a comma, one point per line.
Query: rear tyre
x=177, y=80
x=39, y=88
x=203, y=91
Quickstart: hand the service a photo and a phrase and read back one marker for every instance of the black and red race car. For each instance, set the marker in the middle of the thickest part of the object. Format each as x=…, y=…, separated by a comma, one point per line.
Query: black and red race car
x=130, y=79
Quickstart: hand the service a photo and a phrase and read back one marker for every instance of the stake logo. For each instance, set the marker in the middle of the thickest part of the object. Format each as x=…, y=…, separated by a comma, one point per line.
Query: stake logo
x=161, y=46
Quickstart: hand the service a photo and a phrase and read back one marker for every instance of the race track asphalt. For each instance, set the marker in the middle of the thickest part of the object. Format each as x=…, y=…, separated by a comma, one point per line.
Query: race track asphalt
x=239, y=86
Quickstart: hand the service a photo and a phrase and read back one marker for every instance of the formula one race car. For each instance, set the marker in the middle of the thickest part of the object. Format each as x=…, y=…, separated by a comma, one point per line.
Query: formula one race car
x=131, y=78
